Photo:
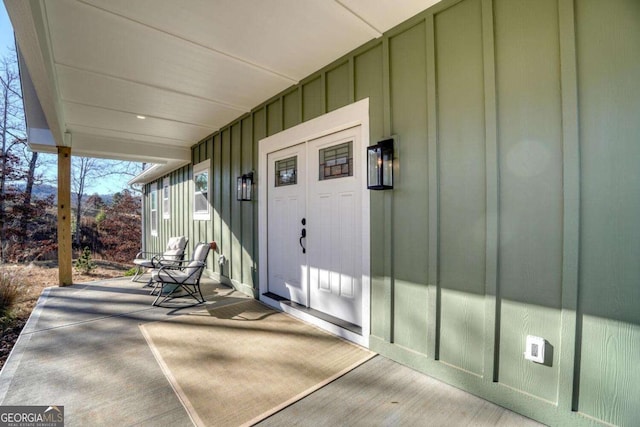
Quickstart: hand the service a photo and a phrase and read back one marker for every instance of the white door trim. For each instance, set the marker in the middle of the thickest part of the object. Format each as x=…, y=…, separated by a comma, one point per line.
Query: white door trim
x=356, y=114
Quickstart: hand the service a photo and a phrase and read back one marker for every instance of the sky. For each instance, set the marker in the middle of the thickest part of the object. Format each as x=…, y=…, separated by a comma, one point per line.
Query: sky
x=6, y=32
x=103, y=186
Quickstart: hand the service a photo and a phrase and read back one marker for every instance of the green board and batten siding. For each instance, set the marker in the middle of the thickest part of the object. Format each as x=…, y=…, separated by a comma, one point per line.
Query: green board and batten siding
x=516, y=207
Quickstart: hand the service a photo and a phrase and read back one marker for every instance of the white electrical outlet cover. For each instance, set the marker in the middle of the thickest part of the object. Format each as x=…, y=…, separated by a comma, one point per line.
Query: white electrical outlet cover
x=534, y=349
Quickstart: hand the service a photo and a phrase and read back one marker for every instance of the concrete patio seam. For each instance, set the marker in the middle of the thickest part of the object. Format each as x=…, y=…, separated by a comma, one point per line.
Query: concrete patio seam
x=97, y=319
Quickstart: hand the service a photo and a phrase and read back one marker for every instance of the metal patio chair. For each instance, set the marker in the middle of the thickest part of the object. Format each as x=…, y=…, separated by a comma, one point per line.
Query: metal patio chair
x=169, y=279
x=173, y=254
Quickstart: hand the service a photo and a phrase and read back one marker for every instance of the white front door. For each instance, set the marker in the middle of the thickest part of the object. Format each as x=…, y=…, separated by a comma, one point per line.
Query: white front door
x=316, y=187
x=286, y=211
x=334, y=225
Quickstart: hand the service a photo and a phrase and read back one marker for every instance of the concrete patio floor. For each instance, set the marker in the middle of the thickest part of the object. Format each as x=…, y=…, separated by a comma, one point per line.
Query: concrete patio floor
x=82, y=349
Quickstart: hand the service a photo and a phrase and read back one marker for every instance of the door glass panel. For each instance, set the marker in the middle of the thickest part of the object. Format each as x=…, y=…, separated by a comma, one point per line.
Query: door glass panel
x=336, y=161
x=286, y=171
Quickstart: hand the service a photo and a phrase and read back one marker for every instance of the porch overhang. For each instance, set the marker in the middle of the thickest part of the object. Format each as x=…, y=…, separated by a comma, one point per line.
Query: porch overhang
x=91, y=68
x=144, y=81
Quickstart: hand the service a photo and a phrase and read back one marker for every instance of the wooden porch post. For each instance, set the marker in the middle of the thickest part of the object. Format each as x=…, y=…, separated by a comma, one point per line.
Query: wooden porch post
x=64, y=215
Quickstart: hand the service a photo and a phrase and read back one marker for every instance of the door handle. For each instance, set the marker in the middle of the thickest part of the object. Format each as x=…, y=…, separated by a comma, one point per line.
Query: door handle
x=303, y=235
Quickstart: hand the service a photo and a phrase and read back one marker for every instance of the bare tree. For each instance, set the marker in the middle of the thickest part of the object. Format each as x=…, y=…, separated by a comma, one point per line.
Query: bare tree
x=86, y=173
x=132, y=169
x=20, y=169
x=12, y=132
x=28, y=190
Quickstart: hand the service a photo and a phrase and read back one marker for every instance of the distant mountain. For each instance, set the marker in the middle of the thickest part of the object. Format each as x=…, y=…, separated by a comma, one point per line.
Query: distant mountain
x=42, y=191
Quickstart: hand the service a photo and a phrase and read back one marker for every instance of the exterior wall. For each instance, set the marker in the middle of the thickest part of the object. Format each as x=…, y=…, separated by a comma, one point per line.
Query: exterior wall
x=608, y=329
x=180, y=220
x=515, y=208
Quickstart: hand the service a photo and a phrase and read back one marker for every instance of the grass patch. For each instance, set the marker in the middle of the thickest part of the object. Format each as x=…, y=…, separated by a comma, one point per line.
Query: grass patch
x=130, y=272
x=11, y=288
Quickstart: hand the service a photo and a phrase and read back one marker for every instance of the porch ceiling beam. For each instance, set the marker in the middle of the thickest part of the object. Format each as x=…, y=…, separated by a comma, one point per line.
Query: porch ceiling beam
x=122, y=149
x=85, y=145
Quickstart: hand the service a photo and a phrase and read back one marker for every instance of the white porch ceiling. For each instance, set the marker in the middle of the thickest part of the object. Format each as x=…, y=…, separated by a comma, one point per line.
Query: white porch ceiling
x=189, y=66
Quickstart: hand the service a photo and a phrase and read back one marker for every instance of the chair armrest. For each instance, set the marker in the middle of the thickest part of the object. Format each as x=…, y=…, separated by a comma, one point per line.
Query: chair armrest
x=166, y=267
x=145, y=254
x=160, y=261
x=180, y=267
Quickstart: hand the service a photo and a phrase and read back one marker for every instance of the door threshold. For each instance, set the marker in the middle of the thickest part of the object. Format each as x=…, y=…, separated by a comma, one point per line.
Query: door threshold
x=325, y=321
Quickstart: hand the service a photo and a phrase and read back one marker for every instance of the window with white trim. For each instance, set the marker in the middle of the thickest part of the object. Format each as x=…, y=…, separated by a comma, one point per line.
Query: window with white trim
x=201, y=191
x=166, y=201
x=154, y=209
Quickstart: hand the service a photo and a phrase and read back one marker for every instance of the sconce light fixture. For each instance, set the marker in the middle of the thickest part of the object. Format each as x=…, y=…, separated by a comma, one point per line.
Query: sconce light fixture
x=245, y=187
x=380, y=165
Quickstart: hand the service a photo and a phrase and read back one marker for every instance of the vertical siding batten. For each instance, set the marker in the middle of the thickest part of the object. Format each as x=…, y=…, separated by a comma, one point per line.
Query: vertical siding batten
x=248, y=208
x=225, y=207
x=236, y=214
x=368, y=80
x=217, y=197
x=191, y=224
x=323, y=92
x=492, y=322
x=387, y=218
x=433, y=332
x=259, y=132
x=352, y=83
x=568, y=389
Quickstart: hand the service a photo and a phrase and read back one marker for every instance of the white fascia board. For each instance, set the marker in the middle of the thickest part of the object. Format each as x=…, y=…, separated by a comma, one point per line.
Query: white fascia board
x=41, y=140
x=156, y=171
x=32, y=36
x=39, y=136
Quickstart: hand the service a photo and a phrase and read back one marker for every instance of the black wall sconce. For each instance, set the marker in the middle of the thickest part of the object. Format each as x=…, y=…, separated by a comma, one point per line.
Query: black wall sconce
x=380, y=165
x=245, y=187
